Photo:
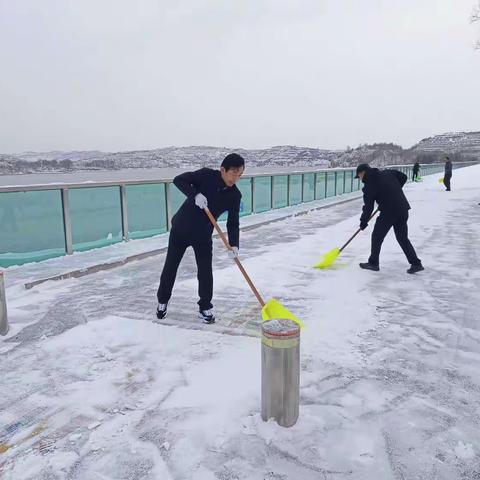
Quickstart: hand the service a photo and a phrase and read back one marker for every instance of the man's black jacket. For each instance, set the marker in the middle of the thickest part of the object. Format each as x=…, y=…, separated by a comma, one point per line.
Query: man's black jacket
x=221, y=198
x=385, y=188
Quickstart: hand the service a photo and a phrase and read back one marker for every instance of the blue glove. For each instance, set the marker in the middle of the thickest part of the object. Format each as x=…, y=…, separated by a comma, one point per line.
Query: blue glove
x=363, y=225
x=233, y=253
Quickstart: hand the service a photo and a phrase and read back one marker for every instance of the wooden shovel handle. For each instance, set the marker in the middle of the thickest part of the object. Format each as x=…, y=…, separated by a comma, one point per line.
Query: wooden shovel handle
x=237, y=261
x=358, y=231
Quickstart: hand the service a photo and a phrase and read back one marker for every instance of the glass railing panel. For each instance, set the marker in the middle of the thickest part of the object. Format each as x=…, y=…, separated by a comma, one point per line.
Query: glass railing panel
x=357, y=183
x=96, y=217
x=321, y=190
x=280, y=191
x=348, y=181
x=245, y=187
x=308, y=187
x=340, y=180
x=147, y=210
x=31, y=227
x=177, y=198
x=295, y=189
x=263, y=194
x=331, y=184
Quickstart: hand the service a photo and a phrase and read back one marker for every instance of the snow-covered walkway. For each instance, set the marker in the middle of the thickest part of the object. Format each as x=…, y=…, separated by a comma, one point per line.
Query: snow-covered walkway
x=92, y=389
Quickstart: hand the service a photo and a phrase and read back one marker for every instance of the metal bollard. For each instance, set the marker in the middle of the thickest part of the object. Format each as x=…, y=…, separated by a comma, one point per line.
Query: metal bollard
x=3, y=307
x=280, y=371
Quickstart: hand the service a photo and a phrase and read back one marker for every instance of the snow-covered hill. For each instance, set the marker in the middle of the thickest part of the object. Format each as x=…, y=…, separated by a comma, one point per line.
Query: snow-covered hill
x=461, y=146
x=451, y=143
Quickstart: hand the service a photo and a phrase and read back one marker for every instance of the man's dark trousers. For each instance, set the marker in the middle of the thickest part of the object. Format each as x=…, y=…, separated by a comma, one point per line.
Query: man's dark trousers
x=382, y=226
x=178, y=242
x=446, y=180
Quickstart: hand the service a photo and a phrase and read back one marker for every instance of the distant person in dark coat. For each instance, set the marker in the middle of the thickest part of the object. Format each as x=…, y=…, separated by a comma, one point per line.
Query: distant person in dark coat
x=203, y=188
x=448, y=174
x=385, y=188
x=416, y=171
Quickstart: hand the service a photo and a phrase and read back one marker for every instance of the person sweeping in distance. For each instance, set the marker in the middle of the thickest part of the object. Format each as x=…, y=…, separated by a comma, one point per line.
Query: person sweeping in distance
x=385, y=188
x=447, y=177
x=203, y=188
x=416, y=172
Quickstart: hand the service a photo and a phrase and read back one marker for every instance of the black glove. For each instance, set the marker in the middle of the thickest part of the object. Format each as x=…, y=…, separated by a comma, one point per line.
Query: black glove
x=363, y=225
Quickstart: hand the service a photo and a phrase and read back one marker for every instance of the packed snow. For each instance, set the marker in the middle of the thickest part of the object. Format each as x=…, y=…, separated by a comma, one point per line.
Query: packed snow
x=94, y=388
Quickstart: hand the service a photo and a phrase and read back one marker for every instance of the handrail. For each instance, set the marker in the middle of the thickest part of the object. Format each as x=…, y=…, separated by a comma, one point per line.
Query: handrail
x=115, y=183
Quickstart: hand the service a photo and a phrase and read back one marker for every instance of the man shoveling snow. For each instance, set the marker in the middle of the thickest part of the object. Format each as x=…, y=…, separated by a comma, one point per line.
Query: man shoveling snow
x=385, y=188
x=204, y=188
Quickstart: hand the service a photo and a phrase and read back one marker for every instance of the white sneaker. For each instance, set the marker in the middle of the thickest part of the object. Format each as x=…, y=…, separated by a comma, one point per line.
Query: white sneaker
x=161, y=311
x=207, y=316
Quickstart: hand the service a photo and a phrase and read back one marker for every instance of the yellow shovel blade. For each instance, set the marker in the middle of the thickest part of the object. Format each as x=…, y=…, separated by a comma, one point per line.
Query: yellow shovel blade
x=328, y=258
x=274, y=309
x=440, y=180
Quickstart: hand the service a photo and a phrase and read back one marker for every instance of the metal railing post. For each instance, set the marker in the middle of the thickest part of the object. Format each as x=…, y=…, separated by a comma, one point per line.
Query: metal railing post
x=124, y=208
x=3, y=307
x=303, y=189
x=67, y=224
x=168, y=204
x=272, y=186
x=288, y=190
x=252, y=180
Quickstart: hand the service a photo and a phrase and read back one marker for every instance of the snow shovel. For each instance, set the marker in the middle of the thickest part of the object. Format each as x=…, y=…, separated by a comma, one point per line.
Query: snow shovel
x=270, y=309
x=332, y=255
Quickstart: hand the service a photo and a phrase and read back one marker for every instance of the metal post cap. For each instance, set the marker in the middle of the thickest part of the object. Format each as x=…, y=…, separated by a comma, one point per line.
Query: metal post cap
x=280, y=327
x=280, y=333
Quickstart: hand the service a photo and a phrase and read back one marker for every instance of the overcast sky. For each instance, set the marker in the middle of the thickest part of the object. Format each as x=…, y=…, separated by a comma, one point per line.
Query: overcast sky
x=137, y=74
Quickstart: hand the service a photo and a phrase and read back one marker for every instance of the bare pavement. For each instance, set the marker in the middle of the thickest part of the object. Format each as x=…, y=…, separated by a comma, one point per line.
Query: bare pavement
x=92, y=388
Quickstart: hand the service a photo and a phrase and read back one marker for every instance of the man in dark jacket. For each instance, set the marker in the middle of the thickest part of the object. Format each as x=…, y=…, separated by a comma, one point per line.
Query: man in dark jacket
x=385, y=188
x=191, y=227
x=448, y=174
x=416, y=170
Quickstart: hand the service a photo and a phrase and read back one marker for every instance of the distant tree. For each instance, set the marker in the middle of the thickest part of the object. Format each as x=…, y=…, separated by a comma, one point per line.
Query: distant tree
x=475, y=18
x=67, y=163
